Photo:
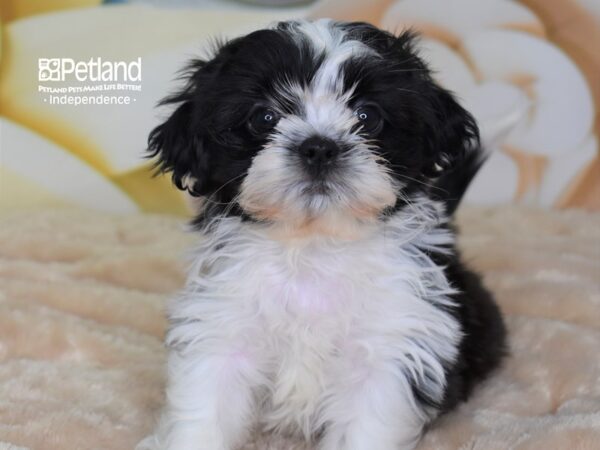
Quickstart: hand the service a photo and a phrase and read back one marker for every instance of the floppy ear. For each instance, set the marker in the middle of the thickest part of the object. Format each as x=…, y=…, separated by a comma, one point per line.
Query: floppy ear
x=451, y=131
x=179, y=144
x=452, y=135
x=178, y=149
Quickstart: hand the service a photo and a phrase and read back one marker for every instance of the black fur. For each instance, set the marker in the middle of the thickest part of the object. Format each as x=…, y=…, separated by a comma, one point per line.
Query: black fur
x=484, y=343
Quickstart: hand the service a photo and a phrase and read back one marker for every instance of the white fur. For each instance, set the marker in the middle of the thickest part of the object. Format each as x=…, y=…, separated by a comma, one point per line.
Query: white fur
x=300, y=334
x=328, y=38
x=277, y=188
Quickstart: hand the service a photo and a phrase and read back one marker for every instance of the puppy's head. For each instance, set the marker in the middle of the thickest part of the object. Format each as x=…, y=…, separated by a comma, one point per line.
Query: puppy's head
x=311, y=123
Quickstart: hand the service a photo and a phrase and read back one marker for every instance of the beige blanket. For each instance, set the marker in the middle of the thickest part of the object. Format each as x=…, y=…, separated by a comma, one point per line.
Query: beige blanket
x=81, y=358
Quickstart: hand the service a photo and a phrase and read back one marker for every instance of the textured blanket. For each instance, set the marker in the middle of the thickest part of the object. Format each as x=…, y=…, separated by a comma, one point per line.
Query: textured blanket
x=81, y=358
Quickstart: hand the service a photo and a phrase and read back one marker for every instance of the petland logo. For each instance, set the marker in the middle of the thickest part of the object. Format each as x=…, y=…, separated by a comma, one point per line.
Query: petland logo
x=64, y=81
x=67, y=69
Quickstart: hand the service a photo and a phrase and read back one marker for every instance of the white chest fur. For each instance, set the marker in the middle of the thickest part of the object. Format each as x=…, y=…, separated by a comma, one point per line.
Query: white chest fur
x=315, y=317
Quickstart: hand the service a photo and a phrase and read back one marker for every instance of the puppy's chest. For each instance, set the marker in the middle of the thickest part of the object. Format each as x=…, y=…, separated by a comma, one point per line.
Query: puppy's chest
x=318, y=286
x=318, y=304
x=314, y=309
x=326, y=313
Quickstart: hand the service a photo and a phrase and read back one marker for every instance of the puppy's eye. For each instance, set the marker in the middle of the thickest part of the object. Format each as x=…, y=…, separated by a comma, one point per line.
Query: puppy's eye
x=369, y=118
x=263, y=120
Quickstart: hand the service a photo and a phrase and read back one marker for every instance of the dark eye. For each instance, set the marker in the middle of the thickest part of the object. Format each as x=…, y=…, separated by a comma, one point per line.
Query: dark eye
x=263, y=120
x=369, y=118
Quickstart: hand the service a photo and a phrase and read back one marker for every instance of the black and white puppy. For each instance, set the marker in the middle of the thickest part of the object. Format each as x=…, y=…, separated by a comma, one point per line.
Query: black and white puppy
x=327, y=297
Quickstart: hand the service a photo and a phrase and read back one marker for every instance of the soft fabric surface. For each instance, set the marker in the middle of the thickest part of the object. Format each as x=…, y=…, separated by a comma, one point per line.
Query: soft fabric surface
x=81, y=358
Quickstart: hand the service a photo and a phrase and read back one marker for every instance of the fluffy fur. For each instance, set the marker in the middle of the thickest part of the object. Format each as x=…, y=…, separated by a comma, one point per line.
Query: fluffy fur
x=326, y=298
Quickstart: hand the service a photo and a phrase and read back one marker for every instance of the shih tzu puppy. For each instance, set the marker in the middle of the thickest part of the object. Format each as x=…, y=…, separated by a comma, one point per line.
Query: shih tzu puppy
x=327, y=298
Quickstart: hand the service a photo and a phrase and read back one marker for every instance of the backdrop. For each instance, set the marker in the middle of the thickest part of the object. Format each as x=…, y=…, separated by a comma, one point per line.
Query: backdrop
x=79, y=81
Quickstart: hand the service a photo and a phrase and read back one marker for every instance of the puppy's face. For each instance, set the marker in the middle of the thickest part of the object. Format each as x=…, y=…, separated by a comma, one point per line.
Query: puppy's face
x=309, y=123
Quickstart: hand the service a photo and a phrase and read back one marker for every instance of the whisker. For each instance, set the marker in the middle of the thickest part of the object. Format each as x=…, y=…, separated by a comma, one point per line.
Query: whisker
x=432, y=186
x=416, y=180
x=209, y=199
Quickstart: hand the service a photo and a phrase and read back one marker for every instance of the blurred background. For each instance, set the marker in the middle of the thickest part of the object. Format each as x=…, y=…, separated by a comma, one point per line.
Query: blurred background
x=528, y=70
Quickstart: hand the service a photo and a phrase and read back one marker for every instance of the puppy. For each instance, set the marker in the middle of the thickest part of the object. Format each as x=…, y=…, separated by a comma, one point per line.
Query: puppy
x=327, y=298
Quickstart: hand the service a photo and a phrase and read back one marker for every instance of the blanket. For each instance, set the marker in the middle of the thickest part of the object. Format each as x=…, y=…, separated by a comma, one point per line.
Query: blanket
x=81, y=327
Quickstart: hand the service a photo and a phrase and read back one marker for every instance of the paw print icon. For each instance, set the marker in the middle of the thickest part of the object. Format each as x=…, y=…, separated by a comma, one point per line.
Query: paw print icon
x=49, y=69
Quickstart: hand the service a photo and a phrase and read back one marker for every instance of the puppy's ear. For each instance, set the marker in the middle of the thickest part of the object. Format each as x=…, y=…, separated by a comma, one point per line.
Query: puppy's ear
x=452, y=134
x=178, y=149
x=180, y=145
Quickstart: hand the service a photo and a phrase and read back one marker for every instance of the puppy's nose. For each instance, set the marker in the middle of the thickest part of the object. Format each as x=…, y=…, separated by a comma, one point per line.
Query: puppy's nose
x=318, y=152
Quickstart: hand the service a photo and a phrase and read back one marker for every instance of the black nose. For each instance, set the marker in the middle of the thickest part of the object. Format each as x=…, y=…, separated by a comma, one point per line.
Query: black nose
x=318, y=152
